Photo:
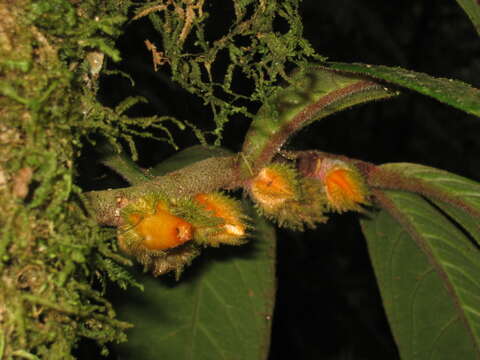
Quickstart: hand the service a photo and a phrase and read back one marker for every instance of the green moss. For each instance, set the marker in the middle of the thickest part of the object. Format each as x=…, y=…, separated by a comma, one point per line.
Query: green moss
x=51, y=253
x=58, y=17
x=54, y=259
x=258, y=49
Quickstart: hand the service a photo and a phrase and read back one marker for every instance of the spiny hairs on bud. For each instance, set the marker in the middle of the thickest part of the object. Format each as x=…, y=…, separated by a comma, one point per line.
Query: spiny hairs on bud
x=165, y=234
x=344, y=185
x=233, y=227
x=274, y=185
x=163, y=262
x=150, y=231
x=280, y=195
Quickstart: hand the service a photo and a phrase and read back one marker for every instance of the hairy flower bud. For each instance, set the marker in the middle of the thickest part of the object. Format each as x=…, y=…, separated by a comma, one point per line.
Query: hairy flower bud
x=151, y=224
x=165, y=234
x=155, y=235
x=161, y=230
x=231, y=230
x=274, y=185
x=344, y=186
x=291, y=201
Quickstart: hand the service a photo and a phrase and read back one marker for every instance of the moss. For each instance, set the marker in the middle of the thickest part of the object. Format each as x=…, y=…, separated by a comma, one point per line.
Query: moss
x=51, y=253
x=54, y=259
x=262, y=40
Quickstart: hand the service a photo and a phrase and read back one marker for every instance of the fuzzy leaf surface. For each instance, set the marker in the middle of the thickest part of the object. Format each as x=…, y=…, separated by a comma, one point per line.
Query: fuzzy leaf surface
x=452, y=92
x=313, y=93
x=459, y=187
x=221, y=308
x=427, y=271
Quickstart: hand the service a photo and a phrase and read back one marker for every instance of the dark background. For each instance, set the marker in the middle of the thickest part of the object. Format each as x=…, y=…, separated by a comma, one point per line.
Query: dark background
x=328, y=305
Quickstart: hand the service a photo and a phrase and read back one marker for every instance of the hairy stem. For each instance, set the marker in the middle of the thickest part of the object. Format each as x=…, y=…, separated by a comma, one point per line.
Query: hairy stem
x=314, y=93
x=203, y=176
x=379, y=178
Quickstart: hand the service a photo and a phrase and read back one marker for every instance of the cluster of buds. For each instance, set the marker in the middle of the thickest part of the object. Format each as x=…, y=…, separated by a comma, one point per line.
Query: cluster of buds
x=296, y=201
x=281, y=195
x=166, y=234
x=343, y=184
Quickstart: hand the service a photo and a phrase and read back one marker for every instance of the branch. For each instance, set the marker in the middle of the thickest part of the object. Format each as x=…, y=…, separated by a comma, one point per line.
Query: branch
x=203, y=176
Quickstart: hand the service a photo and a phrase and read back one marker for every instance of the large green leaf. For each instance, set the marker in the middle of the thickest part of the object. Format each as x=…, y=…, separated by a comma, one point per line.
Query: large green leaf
x=221, y=308
x=453, y=92
x=428, y=272
x=472, y=8
x=457, y=187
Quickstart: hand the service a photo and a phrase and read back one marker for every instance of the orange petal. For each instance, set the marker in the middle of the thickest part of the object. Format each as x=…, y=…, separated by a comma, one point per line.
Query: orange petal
x=344, y=189
x=222, y=208
x=270, y=188
x=163, y=231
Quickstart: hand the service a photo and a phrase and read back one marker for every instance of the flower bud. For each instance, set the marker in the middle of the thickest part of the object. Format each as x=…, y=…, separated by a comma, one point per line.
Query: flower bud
x=231, y=229
x=291, y=201
x=274, y=185
x=153, y=225
x=344, y=186
x=153, y=234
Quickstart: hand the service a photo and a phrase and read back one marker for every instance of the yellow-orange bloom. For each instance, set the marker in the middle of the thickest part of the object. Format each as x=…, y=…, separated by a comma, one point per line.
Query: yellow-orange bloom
x=232, y=231
x=161, y=230
x=345, y=188
x=273, y=186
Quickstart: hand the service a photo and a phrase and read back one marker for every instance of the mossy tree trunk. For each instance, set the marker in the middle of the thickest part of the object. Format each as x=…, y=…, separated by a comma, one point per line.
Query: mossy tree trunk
x=50, y=251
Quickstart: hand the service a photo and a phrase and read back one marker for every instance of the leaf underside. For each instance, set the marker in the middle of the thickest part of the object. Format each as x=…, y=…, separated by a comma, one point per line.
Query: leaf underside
x=314, y=93
x=468, y=191
x=428, y=272
x=220, y=309
x=452, y=92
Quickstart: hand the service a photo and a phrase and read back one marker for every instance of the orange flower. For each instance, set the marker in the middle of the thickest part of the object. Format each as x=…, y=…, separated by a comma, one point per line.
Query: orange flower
x=232, y=231
x=344, y=186
x=273, y=186
x=161, y=230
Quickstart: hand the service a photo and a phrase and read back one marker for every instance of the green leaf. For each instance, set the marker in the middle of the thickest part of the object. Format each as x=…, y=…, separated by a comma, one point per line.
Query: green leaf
x=428, y=272
x=220, y=309
x=472, y=8
x=122, y=164
x=469, y=223
x=452, y=92
x=222, y=306
x=314, y=93
x=466, y=192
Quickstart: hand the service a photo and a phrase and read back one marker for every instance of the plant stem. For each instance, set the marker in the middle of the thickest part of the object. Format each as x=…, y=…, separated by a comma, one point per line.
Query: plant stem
x=204, y=176
x=379, y=178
